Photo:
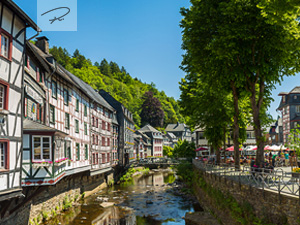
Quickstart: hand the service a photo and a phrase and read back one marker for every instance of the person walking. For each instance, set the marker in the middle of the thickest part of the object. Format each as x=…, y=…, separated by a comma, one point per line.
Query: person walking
x=273, y=159
x=286, y=158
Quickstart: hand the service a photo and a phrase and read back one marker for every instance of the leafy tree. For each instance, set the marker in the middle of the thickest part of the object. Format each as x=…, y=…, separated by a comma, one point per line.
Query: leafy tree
x=250, y=44
x=168, y=151
x=184, y=149
x=152, y=112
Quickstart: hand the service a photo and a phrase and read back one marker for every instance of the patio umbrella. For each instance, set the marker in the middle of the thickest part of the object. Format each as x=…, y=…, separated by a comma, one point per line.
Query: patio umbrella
x=267, y=148
x=231, y=149
x=201, y=149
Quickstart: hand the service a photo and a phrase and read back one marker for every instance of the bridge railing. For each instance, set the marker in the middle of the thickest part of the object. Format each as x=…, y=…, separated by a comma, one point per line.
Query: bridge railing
x=275, y=180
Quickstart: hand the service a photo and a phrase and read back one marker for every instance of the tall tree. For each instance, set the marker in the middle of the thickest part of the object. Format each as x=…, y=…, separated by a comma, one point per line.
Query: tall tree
x=105, y=68
x=241, y=43
x=152, y=112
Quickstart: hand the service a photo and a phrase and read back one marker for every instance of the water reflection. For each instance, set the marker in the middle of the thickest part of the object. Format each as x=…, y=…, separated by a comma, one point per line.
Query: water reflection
x=147, y=200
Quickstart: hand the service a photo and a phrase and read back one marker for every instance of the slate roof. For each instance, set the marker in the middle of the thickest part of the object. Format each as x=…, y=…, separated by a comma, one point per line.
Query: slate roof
x=29, y=125
x=58, y=70
x=288, y=98
x=171, y=135
x=176, y=127
x=148, y=128
x=86, y=88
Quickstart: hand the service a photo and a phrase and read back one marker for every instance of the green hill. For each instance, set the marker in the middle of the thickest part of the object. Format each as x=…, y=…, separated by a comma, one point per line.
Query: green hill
x=118, y=82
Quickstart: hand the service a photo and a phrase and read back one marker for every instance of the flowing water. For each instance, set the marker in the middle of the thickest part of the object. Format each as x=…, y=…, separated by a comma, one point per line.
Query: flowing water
x=153, y=199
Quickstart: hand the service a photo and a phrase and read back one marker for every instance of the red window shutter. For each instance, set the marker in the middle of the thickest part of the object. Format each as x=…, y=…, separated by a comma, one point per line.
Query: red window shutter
x=38, y=74
x=38, y=111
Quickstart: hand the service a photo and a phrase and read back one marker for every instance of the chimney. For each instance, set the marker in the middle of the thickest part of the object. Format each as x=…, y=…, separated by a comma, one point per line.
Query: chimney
x=43, y=44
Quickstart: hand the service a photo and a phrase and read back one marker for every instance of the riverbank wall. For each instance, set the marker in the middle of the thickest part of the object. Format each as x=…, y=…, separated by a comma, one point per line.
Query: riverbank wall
x=42, y=202
x=234, y=203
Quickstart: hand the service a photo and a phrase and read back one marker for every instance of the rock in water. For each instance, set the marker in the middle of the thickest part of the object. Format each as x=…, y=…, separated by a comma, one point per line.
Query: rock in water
x=107, y=204
x=149, y=202
x=200, y=218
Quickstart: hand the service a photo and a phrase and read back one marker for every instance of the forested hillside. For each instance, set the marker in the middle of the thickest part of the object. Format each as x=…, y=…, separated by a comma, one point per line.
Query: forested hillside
x=118, y=82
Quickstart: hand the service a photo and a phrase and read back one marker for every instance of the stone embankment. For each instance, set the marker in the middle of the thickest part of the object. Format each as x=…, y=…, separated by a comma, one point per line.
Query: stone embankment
x=235, y=203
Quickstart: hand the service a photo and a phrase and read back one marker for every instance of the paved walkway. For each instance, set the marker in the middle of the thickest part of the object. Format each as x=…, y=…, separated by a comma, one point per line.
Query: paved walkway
x=279, y=180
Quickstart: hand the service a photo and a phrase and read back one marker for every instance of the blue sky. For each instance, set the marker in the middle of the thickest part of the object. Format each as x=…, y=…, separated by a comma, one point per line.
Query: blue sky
x=141, y=35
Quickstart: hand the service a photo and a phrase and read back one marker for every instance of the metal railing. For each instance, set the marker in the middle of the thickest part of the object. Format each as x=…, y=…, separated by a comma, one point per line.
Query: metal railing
x=267, y=179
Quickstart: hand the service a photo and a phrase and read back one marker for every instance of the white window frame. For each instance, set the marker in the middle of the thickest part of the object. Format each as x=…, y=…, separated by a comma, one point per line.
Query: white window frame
x=3, y=52
x=297, y=108
x=50, y=147
x=3, y=154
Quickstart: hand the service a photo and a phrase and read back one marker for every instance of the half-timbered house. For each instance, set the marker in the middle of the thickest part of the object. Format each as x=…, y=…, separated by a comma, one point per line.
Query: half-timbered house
x=126, y=129
x=44, y=159
x=64, y=136
x=101, y=114
x=13, y=24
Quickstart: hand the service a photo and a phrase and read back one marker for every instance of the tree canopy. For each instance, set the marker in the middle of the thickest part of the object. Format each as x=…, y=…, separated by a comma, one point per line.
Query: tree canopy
x=248, y=44
x=152, y=112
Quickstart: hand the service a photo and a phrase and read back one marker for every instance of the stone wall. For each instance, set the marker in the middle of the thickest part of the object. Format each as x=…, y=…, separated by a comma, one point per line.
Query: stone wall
x=234, y=203
x=47, y=201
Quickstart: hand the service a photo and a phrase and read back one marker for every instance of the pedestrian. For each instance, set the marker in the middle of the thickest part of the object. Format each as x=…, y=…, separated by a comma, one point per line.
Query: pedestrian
x=286, y=158
x=273, y=159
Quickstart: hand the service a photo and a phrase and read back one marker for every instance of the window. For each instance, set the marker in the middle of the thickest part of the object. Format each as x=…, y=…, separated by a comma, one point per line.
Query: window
x=38, y=74
x=97, y=140
x=41, y=148
x=97, y=123
x=66, y=97
x=108, y=126
x=103, y=158
x=77, y=151
x=6, y=41
x=86, y=151
x=285, y=110
x=286, y=126
x=54, y=89
x=93, y=139
x=77, y=105
x=2, y=96
x=93, y=121
x=67, y=120
x=297, y=108
x=3, y=155
x=108, y=142
x=108, y=157
x=103, y=125
x=76, y=126
x=283, y=98
x=52, y=114
x=103, y=141
x=85, y=110
x=85, y=129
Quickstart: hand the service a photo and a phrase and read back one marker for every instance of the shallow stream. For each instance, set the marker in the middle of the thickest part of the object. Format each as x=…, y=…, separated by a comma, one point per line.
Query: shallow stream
x=153, y=199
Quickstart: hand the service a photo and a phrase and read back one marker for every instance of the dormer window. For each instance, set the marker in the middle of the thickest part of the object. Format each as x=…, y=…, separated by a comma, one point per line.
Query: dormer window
x=283, y=98
x=295, y=97
x=297, y=108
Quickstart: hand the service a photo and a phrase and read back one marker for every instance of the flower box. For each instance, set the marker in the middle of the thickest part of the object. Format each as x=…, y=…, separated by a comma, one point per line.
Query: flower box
x=60, y=163
x=41, y=164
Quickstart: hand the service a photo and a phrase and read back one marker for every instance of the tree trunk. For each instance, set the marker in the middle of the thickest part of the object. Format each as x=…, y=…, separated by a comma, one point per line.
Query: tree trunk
x=218, y=155
x=236, y=128
x=256, y=103
x=258, y=133
x=224, y=148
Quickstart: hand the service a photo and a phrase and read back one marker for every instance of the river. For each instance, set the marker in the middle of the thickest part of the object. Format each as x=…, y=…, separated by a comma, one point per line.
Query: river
x=152, y=199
